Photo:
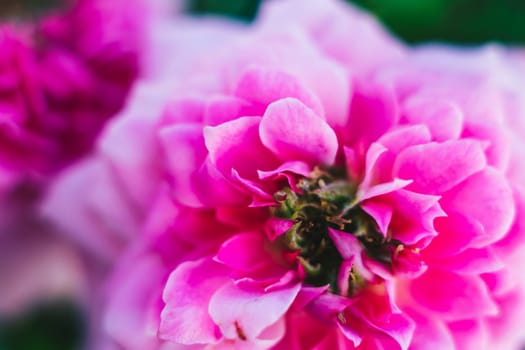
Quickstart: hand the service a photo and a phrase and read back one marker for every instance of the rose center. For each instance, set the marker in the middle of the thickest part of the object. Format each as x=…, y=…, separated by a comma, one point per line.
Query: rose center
x=327, y=199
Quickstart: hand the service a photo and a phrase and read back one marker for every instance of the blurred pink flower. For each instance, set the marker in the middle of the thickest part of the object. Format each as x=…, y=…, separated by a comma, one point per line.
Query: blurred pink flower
x=318, y=187
x=60, y=81
x=126, y=169
x=63, y=79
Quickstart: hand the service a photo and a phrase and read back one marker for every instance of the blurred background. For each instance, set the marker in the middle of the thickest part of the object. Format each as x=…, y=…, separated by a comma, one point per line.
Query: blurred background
x=458, y=21
x=58, y=324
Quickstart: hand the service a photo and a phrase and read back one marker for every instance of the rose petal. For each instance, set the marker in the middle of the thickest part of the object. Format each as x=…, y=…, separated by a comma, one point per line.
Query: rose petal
x=262, y=86
x=437, y=167
x=456, y=232
x=405, y=136
x=185, y=152
x=188, y=290
x=443, y=118
x=471, y=261
x=430, y=333
x=307, y=295
x=468, y=334
x=243, y=252
x=487, y=198
x=451, y=296
x=246, y=313
x=292, y=131
x=236, y=145
x=381, y=213
x=186, y=110
x=373, y=111
x=221, y=109
x=347, y=244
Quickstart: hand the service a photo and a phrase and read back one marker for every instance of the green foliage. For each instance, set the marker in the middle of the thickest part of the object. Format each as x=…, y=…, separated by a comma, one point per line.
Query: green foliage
x=461, y=21
x=56, y=325
x=242, y=9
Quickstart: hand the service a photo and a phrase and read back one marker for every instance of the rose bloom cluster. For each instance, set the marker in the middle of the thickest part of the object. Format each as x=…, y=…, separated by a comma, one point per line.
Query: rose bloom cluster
x=62, y=77
x=307, y=182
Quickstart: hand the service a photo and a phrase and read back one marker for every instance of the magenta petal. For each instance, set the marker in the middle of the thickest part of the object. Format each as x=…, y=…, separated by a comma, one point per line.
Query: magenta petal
x=350, y=334
x=500, y=282
x=366, y=193
x=323, y=80
x=221, y=109
x=132, y=314
x=307, y=295
x=188, y=291
x=471, y=261
x=260, y=197
x=291, y=171
x=292, y=131
x=408, y=263
x=184, y=150
x=373, y=111
x=399, y=327
x=347, y=244
x=351, y=250
x=469, y=334
x=512, y=241
x=414, y=215
x=398, y=139
x=354, y=164
x=343, y=276
x=236, y=145
x=451, y=296
x=455, y=234
x=268, y=280
x=244, y=252
x=372, y=156
x=381, y=213
x=437, y=167
x=294, y=167
x=262, y=86
x=135, y=163
x=487, y=198
x=276, y=227
x=92, y=224
x=214, y=189
x=246, y=313
x=184, y=110
x=443, y=118
x=328, y=305
x=430, y=334
x=405, y=136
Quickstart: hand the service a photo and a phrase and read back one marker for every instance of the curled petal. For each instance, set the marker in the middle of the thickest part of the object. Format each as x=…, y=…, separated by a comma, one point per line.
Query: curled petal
x=190, y=286
x=292, y=131
x=245, y=314
x=236, y=145
x=243, y=252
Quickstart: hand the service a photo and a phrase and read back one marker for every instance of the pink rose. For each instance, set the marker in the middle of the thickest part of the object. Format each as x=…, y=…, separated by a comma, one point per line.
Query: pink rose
x=315, y=188
x=126, y=169
x=63, y=79
x=60, y=82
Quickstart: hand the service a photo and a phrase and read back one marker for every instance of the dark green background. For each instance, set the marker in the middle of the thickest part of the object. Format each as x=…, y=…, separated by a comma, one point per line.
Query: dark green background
x=460, y=21
x=59, y=326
